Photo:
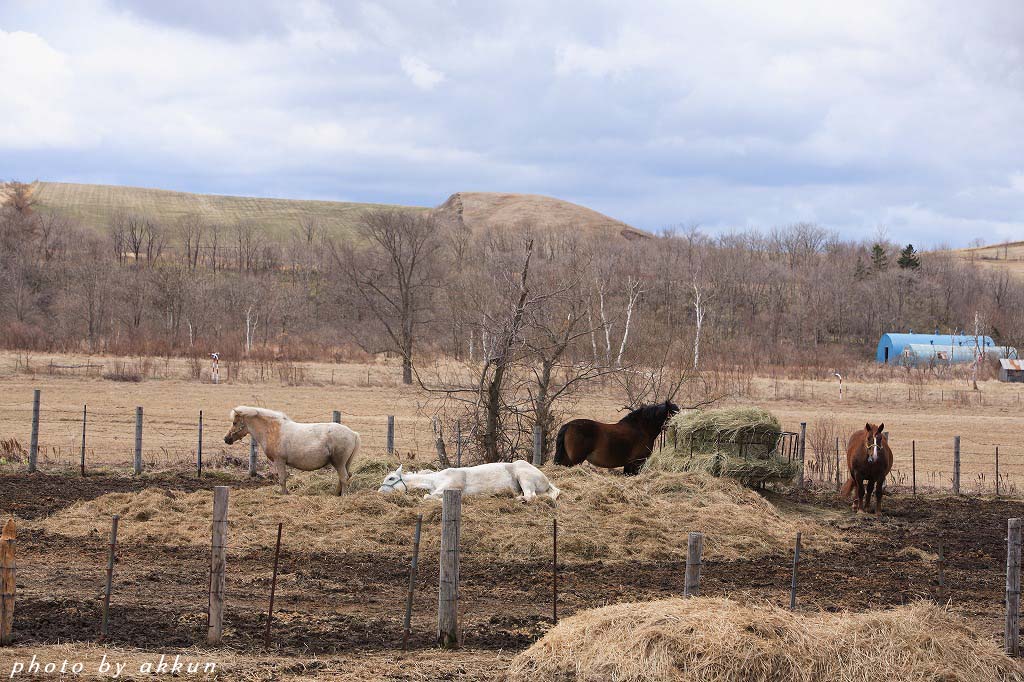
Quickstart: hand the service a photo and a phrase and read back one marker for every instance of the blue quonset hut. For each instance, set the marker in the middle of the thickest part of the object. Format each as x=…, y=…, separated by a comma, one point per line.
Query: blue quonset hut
x=891, y=346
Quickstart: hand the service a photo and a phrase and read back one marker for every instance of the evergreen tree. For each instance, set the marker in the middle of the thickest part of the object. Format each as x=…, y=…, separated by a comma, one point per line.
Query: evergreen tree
x=909, y=260
x=879, y=259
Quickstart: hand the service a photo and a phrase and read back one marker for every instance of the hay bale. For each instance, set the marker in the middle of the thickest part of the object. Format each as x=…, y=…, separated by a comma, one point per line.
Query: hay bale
x=737, y=442
x=714, y=639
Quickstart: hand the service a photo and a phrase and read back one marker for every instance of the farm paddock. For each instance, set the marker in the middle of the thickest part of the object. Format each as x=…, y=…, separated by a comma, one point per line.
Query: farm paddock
x=338, y=613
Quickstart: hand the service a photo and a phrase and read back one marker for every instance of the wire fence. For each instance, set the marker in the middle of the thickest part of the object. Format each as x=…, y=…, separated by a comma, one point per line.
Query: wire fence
x=84, y=437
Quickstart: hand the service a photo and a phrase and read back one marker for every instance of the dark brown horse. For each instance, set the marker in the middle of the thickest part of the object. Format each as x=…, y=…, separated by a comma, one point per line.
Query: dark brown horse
x=627, y=443
x=868, y=459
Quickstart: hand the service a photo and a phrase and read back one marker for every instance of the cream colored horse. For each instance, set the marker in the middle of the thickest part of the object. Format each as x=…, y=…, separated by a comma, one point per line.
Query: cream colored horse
x=306, y=447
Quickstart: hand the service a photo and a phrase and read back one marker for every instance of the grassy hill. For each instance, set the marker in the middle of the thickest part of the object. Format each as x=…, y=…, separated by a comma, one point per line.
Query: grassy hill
x=1008, y=257
x=95, y=206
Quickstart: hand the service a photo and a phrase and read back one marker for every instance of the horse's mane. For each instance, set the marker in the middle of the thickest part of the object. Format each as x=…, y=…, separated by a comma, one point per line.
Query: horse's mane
x=654, y=415
x=249, y=411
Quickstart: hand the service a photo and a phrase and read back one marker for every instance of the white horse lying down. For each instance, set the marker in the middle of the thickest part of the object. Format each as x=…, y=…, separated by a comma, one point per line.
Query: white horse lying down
x=306, y=447
x=519, y=477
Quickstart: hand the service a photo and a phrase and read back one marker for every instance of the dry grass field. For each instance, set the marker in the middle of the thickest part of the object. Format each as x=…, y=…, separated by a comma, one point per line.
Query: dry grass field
x=928, y=415
x=96, y=205
x=1008, y=257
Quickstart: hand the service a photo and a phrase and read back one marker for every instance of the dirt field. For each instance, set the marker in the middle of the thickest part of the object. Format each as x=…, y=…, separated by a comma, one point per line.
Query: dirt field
x=340, y=613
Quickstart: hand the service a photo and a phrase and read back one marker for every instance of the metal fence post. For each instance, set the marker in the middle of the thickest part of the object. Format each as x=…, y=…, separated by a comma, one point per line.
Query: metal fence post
x=199, y=448
x=956, y=465
x=138, y=439
x=85, y=416
x=33, y=451
x=252, y=456
x=336, y=417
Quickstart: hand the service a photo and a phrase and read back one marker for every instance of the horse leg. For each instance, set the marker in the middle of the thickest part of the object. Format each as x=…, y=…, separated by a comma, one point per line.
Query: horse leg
x=633, y=468
x=859, y=504
x=343, y=477
x=878, y=500
x=528, y=491
x=282, y=474
x=870, y=491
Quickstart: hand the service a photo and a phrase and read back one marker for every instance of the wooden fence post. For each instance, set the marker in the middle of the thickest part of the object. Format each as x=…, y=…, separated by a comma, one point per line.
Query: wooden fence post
x=85, y=416
x=199, y=448
x=956, y=465
x=694, y=549
x=7, y=582
x=111, y=555
x=538, y=452
x=273, y=586
x=252, y=457
x=33, y=448
x=448, y=587
x=554, y=571
x=796, y=561
x=336, y=417
x=413, y=565
x=391, y=434
x=1011, y=635
x=803, y=450
x=138, y=439
x=218, y=552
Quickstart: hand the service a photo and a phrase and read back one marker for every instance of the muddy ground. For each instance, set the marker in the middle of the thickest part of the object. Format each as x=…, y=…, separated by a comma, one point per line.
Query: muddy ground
x=353, y=604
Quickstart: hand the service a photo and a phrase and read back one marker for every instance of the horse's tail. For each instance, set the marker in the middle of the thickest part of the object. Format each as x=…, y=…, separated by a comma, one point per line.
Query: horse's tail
x=847, y=488
x=561, y=457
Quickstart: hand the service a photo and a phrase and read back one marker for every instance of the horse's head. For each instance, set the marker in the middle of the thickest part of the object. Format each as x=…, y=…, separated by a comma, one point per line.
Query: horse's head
x=671, y=409
x=875, y=441
x=392, y=482
x=239, y=428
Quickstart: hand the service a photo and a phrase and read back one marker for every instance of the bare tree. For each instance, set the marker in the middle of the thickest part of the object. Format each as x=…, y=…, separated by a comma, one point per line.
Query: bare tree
x=396, y=274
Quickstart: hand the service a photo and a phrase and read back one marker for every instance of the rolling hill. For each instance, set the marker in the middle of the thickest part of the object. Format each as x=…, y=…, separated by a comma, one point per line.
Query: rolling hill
x=95, y=206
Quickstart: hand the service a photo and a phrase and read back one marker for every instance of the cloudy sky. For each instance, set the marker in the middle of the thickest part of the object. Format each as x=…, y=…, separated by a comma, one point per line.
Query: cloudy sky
x=904, y=115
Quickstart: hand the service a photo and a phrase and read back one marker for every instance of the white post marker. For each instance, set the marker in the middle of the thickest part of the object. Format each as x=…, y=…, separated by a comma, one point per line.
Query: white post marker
x=840, y=377
x=215, y=368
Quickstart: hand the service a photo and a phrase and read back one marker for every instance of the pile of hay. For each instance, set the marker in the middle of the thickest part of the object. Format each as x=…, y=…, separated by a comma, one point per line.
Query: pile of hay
x=601, y=516
x=715, y=640
x=738, y=442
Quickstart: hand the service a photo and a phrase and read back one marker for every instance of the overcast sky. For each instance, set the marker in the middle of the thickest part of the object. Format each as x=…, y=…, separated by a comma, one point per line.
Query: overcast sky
x=905, y=115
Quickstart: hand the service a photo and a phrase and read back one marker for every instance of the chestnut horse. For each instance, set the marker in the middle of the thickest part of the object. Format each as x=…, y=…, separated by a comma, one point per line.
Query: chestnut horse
x=869, y=459
x=627, y=443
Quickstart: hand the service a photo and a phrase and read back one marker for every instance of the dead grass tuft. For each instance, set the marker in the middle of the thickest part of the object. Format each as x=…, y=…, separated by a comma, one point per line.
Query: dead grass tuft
x=600, y=516
x=714, y=640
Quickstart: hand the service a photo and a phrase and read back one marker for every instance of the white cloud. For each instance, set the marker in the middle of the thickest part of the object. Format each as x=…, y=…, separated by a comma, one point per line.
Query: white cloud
x=730, y=114
x=422, y=75
x=34, y=107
